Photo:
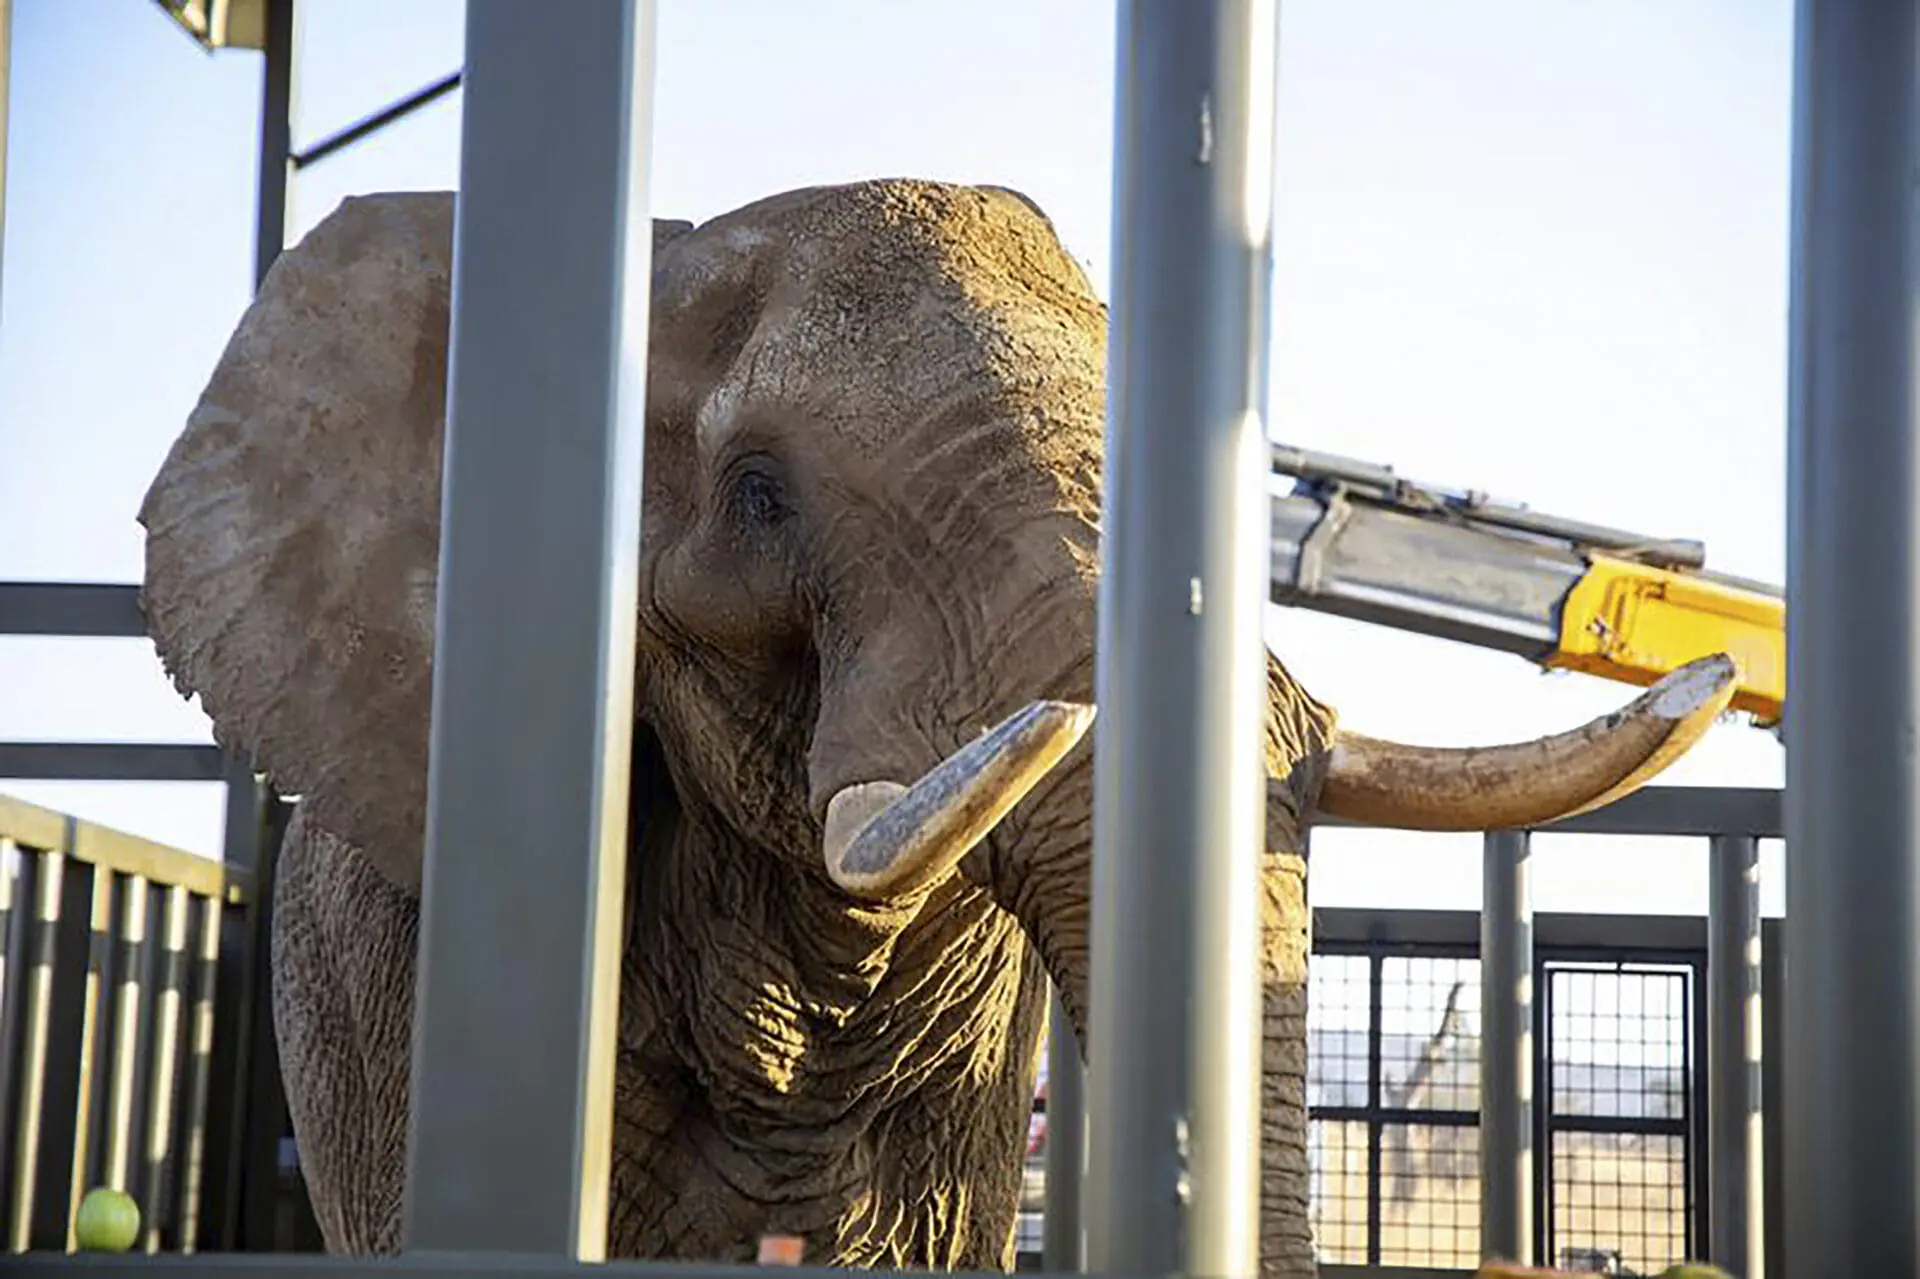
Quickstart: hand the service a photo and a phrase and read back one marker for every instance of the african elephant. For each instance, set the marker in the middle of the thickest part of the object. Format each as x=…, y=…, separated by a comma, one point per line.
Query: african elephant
x=875, y=424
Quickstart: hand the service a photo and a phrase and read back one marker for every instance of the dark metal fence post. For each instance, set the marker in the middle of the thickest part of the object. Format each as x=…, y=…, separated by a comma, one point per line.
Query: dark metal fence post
x=1173, y=1180
x=1853, y=555
x=1063, y=1248
x=1773, y=1174
x=1506, y=1050
x=1733, y=1056
x=526, y=831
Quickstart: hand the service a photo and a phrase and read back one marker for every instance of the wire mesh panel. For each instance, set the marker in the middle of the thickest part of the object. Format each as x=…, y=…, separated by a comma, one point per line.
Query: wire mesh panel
x=1340, y=1081
x=1430, y=1216
x=1429, y=1045
x=1393, y=1078
x=1393, y=1084
x=1620, y=1154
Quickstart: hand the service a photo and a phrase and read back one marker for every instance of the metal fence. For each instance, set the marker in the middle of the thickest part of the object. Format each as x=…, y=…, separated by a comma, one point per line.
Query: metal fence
x=115, y=1001
x=136, y=1038
x=1394, y=1044
x=1621, y=1035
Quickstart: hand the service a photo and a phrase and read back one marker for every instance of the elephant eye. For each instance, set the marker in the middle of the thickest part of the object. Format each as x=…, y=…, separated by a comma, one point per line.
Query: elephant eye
x=756, y=500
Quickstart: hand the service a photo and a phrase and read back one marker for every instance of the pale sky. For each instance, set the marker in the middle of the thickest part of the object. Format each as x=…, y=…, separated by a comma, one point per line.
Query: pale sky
x=1534, y=248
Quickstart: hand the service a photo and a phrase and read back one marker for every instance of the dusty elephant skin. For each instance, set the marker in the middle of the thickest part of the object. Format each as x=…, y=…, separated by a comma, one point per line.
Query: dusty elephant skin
x=873, y=489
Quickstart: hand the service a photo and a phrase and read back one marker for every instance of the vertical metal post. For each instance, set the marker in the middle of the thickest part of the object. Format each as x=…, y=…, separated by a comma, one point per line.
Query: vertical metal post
x=1174, y=1061
x=1506, y=1050
x=1734, y=1195
x=1773, y=1176
x=6, y=84
x=533, y=675
x=1063, y=1247
x=275, y=151
x=1852, y=806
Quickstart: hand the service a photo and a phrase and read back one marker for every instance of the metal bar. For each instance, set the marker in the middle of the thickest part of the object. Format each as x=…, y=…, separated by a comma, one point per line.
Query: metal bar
x=194, y=1109
x=1696, y=1136
x=1641, y=938
x=458, y=1265
x=47, y=1138
x=1064, y=1244
x=17, y=884
x=1174, y=1076
x=1546, y=1122
x=132, y=948
x=369, y=125
x=1734, y=1190
x=1323, y=473
x=1772, y=1056
x=240, y=994
x=1506, y=1051
x=1444, y=580
x=275, y=148
x=158, y=1217
x=6, y=82
x=110, y=762
x=264, y=1119
x=533, y=667
x=1694, y=811
x=1853, y=554
x=95, y=1058
x=71, y=610
x=1376, y=1096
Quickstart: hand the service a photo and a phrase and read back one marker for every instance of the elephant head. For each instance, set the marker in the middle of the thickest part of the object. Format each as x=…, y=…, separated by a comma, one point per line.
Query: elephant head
x=870, y=563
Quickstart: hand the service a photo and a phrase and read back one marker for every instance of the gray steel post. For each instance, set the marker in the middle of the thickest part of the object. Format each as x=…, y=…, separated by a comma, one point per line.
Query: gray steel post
x=1174, y=1058
x=1506, y=1050
x=1734, y=1194
x=1064, y=1247
x=533, y=677
x=1853, y=557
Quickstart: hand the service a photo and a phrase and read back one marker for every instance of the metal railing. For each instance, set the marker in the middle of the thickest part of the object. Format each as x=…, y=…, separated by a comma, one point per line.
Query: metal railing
x=115, y=947
x=115, y=1009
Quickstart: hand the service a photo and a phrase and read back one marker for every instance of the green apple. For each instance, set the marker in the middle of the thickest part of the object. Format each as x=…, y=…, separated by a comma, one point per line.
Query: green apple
x=108, y=1221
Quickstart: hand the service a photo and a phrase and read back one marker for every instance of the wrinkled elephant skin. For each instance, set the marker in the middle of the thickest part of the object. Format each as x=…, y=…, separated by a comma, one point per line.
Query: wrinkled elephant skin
x=871, y=534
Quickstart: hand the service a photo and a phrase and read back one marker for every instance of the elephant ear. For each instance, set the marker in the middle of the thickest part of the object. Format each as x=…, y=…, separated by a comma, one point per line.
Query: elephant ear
x=293, y=530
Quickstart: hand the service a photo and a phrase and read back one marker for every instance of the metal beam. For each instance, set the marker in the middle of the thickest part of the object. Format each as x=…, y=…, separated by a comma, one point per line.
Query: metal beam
x=1853, y=556
x=366, y=127
x=275, y=147
x=111, y=762
x=1698, y=811
x=533, y=676
x=1734, y=1210
x=71, y=609
x=1506, y=1051
x=1174, y=1060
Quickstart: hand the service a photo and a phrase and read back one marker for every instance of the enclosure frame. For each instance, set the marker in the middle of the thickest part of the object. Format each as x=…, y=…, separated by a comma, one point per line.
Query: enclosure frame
x=1851, y=408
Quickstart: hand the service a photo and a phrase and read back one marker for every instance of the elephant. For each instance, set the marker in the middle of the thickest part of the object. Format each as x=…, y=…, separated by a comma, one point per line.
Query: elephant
x=862, y=777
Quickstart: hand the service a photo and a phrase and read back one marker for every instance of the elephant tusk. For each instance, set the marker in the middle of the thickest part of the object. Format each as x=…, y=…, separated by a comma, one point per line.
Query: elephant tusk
x=1380, y=783
x=883, y=840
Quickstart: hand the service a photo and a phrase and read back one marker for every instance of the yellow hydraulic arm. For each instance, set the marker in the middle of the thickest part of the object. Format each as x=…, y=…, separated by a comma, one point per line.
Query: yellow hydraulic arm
x=1356, y=540
x=1635, y=622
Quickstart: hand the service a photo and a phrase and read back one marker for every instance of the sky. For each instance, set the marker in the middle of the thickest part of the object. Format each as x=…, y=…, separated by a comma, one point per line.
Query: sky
x=1538, y=249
